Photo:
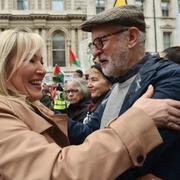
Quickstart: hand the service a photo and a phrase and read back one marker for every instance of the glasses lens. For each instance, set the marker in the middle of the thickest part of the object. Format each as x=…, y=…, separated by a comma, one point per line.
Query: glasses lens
x=71, y=91
x=98, y=43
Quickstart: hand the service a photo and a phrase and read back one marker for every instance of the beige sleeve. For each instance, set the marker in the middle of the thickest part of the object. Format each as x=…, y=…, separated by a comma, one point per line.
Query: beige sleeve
x=137, y=132
x=104, y=155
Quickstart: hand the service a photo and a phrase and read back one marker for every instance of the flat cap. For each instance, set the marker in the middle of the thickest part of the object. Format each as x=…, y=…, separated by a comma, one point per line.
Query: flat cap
x=127, y=15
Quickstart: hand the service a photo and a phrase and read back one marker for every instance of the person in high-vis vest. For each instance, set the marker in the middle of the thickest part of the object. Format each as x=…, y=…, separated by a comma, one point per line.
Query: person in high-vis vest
x=60, y=104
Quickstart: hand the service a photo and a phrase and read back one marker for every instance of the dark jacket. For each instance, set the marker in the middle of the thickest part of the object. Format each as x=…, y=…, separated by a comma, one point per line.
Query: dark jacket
x=164, y=75
x=78, y=111
x=78, y=131
x=164, y=161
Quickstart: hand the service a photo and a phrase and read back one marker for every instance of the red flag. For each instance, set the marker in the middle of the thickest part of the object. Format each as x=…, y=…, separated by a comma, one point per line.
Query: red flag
x=56, y=70
x=72, y=58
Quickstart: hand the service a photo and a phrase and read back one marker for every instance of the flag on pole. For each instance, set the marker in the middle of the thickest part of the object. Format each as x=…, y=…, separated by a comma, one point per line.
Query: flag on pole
x=57, y=74
x=56, y=70
x=120, y=3
x=73, y=59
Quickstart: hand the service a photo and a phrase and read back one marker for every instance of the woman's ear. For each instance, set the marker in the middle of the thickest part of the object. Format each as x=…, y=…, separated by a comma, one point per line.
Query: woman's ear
x=133, y=36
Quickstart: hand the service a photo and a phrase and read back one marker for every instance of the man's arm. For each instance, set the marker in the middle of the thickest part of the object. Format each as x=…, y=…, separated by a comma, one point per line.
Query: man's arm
x=78, y=131
x=167, y=85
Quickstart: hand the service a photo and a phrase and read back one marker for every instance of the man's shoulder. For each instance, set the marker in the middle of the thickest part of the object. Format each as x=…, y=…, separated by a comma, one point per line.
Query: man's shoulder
x=161, y=66
x=168, y=68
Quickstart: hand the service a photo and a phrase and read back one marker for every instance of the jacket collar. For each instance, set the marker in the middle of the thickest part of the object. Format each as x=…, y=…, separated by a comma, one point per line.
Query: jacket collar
x=147, y=69
x=60, y=119
x=133, y=70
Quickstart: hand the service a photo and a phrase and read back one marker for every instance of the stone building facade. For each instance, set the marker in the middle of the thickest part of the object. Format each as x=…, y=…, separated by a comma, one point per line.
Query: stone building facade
x=58, y=21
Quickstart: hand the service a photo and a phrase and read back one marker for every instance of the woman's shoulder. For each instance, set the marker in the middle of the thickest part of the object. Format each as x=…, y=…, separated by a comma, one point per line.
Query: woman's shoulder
x=7, y=102
x=19, y=110
x=13, y=105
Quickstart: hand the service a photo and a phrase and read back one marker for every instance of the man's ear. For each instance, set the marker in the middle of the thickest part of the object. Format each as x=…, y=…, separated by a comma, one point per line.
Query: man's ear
x=133, y=36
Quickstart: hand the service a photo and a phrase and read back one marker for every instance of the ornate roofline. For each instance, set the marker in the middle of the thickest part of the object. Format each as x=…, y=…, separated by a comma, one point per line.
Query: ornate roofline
x=33, y=16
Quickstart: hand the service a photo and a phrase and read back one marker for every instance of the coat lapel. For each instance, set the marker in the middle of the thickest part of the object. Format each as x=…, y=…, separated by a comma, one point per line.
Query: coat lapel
x=140, y=84
x=58, y=130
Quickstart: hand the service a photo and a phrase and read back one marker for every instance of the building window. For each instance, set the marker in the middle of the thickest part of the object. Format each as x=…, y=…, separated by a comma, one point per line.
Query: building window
x=22, y=4
x=100, y=6
x=179, y=5
x=58, y=48
x=167, y=39
x=58, y=5
x=139, y=4
x=165, y=7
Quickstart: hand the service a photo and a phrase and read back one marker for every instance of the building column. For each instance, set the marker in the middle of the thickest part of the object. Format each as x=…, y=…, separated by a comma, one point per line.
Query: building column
x=6, y=5
x=73, y=39
x=72, y=5
x=49, y=53
x=36, y=5
x=79, y=39
x=1, y=4
x=43, y=4
x=43, y=34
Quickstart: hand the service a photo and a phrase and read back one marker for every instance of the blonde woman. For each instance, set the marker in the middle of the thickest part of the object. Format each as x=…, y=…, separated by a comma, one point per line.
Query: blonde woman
x=33, y=141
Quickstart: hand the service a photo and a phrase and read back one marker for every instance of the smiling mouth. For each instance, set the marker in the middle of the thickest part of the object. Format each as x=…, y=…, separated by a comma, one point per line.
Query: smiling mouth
x=36, y=83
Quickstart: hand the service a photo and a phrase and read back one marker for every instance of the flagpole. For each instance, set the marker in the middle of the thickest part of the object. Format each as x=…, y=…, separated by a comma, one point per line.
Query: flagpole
x=155, y=33
x=114, y=3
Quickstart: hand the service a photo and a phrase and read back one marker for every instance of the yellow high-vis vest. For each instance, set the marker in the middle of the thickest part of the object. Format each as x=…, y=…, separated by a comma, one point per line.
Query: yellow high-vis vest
x=59, y=102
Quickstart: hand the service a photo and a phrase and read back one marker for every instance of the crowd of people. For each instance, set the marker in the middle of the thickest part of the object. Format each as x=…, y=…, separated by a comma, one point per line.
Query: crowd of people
x=123, y=116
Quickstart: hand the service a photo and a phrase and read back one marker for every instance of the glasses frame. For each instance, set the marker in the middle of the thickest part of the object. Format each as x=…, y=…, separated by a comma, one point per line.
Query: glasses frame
x=71, y=91
x=98, y=42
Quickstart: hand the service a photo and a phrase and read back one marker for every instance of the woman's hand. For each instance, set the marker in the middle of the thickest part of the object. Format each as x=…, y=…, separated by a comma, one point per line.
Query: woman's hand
x=164, y=112
x=149, y=177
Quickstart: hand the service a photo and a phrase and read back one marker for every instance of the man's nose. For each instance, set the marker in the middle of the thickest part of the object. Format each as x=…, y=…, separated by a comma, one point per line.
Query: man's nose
x=96, y=52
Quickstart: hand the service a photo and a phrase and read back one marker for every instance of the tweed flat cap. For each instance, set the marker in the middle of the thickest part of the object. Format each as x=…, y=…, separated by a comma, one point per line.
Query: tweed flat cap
x=127, y=15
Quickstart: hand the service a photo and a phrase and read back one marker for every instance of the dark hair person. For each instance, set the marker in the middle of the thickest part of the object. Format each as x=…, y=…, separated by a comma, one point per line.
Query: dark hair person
x=172, y=53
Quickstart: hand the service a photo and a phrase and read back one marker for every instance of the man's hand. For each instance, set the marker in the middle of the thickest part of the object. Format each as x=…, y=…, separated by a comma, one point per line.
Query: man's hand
x=164, y=112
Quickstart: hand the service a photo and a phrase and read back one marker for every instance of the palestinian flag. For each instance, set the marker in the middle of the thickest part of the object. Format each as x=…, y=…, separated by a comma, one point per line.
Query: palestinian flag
x=73, y=59
x=56, y=70
x=120, y=3
x=57, y=74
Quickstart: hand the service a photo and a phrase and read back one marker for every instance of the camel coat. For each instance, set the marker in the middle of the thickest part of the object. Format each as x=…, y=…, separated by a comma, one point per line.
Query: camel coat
x=33, y=148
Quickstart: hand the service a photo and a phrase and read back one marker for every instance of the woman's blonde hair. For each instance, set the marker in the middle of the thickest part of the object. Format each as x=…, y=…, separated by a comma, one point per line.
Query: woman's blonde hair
x=22, y=44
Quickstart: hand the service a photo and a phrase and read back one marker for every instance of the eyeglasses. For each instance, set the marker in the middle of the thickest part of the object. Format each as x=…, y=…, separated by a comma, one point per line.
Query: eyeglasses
x=98, y=43
x=71, y=91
